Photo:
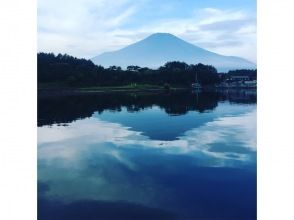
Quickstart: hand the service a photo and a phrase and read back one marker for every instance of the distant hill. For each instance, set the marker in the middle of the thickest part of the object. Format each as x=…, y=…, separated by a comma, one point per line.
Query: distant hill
x=159, y=48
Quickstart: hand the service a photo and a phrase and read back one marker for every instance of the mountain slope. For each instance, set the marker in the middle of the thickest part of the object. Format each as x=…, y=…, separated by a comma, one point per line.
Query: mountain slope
x=157, y=49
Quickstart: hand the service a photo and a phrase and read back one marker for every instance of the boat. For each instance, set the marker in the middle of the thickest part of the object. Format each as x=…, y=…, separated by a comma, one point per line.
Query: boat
x=196, y=85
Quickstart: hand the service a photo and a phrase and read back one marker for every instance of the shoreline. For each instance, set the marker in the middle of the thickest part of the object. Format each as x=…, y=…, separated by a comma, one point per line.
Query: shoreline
x=75, y=91
x=65, y=91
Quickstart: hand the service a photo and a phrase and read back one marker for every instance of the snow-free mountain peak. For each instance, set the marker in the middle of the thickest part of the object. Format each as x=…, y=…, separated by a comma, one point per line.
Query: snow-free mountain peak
x=159, y=48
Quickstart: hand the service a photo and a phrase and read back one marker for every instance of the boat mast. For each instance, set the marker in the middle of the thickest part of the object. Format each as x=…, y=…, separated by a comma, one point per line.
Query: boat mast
x=196, y=80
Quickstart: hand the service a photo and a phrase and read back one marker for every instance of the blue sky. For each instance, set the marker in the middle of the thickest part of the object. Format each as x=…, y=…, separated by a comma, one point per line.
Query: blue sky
x=86, y=28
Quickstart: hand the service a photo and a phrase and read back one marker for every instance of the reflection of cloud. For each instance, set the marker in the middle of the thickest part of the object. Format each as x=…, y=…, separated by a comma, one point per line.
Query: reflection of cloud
x=95, y=159
x=117, y=155
x=236, y=131
x=212, y=138
x=100, y=210
x=94, y=129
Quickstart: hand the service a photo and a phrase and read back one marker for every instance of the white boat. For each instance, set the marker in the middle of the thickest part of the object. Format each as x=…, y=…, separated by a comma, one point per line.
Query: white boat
x=196, y=85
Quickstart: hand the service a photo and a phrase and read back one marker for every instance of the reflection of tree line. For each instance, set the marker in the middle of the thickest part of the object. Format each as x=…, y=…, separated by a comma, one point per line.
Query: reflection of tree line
x=67, y=108
x=246, y=96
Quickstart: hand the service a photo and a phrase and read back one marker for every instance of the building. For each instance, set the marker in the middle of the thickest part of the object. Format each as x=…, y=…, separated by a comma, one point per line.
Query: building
x=239, y=78
x=250, y=84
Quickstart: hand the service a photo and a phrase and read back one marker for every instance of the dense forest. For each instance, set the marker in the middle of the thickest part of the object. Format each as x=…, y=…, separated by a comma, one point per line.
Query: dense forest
x=65, y=70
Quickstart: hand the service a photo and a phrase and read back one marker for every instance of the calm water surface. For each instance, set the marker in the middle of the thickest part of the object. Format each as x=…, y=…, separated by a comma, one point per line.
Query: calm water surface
x=148, y=156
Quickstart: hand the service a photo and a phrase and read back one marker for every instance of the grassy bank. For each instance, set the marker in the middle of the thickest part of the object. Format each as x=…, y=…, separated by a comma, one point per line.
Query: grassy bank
x=124, y=88
x=111, y=88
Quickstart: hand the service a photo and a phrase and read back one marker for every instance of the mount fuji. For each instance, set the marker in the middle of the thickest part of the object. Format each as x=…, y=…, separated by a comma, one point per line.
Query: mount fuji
x=157, y=49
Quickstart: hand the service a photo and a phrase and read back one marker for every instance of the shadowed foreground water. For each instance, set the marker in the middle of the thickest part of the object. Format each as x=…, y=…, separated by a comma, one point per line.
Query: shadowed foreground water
x=147, y=156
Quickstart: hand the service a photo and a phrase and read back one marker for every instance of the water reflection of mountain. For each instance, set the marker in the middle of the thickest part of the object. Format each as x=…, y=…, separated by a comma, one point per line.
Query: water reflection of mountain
x=68, y=108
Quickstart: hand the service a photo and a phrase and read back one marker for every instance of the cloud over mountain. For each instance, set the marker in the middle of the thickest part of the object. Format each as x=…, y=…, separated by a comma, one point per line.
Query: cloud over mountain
x=84, y=28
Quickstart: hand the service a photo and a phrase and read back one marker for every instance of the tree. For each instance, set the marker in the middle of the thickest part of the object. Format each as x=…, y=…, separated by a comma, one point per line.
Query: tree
x=71, y=71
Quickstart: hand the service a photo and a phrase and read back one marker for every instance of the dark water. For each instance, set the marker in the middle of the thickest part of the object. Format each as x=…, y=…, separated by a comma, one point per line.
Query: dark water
x=147, y=156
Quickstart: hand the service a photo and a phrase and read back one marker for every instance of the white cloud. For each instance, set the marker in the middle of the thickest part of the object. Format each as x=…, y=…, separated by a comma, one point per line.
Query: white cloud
x=87, y=28
x=229, y=32
x=80, y=28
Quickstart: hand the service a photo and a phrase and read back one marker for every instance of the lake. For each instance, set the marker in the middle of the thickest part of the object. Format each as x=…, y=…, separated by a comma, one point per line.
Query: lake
x=164, y=155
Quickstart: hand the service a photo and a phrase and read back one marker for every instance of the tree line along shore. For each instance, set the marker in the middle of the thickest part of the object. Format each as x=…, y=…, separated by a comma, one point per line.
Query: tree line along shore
x=68, y=72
